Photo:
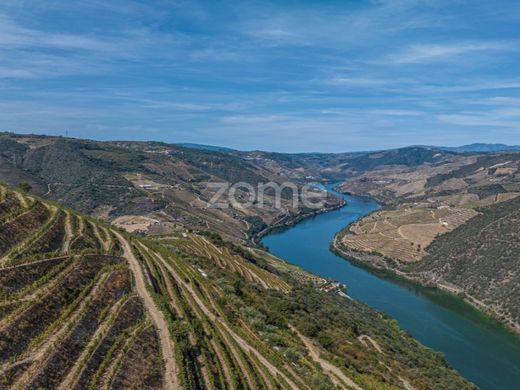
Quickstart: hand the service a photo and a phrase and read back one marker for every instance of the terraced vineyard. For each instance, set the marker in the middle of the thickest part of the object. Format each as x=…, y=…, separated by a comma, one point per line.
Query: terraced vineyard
x=70, y=316
x=404, y=234
x=480, y=261
x=83, y=306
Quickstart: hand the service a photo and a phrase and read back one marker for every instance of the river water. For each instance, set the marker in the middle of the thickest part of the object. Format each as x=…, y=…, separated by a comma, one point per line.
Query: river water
x=478, y=348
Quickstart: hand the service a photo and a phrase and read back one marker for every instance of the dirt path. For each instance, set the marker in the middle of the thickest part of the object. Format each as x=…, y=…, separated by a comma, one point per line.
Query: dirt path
x=181, y=314
x=171, y=381
x=406, y=384
x=49, y=189
x=34, y=294
x=106, y=380
x=238, y=360
x=109, y=240
x=44, y=289
x=81, y=225
x=365, y=338
x=332, y=369
x=23, y=200
x=68, y=234
x=26, y=242
x=227, y=374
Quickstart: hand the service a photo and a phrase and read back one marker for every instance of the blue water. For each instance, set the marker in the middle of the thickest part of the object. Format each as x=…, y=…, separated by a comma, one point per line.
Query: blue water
x=481, y=351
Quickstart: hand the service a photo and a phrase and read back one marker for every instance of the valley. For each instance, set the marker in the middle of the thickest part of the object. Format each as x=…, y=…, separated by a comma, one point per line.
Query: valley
x=148, y=187
x=261, y=195
x=446, y=226
x=218, y=309
x=87, y=306
x=474, y=345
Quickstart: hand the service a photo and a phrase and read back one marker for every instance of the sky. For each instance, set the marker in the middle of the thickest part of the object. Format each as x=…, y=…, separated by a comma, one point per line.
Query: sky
x=290, y=76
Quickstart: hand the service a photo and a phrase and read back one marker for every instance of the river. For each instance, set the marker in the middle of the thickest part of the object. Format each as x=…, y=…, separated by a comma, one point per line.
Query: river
x=478, y=348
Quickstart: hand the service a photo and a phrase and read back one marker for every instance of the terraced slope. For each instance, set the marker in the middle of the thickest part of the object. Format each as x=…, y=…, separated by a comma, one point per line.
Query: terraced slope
x=481, y=261
x=404, y=234
x=457, y=180
x=477, y=259
x=453, y=226
x=70, y=314
x=84, y=306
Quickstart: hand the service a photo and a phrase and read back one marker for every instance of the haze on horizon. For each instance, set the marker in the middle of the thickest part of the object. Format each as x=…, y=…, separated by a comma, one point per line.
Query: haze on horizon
x=281, y=76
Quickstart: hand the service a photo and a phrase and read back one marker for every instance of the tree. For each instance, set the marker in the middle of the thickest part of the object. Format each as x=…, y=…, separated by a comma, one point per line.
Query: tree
x=25, y=187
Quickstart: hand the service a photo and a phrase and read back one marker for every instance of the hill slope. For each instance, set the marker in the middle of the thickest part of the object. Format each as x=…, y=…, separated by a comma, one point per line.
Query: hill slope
x=338, y=166
x=153, y=187
x=481, y=261
x=70, y=313
x=452, y=225
x=85, y=306
x=146, y=186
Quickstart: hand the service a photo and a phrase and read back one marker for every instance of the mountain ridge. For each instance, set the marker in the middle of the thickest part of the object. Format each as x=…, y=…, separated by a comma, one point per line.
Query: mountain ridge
x=478, y=147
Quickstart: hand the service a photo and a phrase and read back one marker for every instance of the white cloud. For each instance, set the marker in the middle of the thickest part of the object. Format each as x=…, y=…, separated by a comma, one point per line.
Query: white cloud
x=252, y=119
x=470, y=85
x=14, y=73
x=427, y=53
x=359, y=81
x=394, y=112
x=324, y=25
x=13, y=35
x=502, y=117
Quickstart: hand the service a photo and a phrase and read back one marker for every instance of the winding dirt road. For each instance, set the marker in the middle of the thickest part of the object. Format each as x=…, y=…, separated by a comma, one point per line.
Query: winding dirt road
x=171, y=381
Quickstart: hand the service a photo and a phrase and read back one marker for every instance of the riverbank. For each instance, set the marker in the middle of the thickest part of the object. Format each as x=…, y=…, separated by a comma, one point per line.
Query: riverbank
x=283, y=224
x=395, y=268
x=478, y=348
x=390, y=268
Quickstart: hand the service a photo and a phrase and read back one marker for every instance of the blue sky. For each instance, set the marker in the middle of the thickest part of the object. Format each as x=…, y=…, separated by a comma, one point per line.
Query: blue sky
x=283, y=76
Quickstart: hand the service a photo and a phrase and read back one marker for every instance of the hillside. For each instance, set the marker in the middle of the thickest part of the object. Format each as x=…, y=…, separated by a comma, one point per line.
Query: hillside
x=475, y=176
x=146, y=186
x=338, y=166
x=451, y=225
x=478, y=259
x=154, y=187
x=481, y=261
x=85, y=306
x=71, y=315
x=427, y=201
x=205, y=147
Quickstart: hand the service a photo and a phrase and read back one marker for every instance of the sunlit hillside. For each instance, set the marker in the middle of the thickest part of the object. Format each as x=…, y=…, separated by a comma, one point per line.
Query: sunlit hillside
x=86, y=306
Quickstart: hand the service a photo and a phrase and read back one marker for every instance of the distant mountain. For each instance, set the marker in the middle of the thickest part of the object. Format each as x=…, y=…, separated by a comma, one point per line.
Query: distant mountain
x=120, y=180
x=471, y=148
x=480, y=148
x=205, y=147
